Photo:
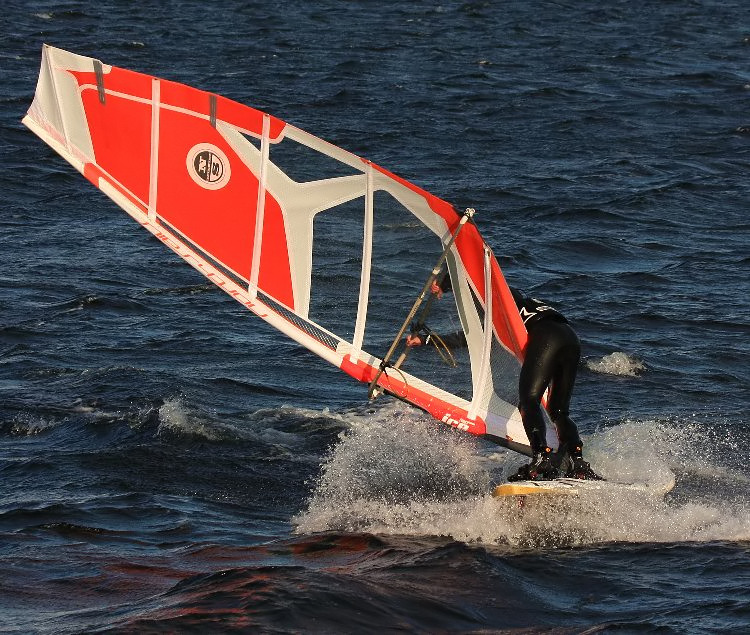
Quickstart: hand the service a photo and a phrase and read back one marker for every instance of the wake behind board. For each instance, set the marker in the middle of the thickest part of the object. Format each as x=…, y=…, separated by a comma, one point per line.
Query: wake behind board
x=575, y=487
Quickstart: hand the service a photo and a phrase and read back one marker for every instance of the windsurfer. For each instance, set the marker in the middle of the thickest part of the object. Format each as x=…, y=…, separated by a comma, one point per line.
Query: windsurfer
x=552, y=355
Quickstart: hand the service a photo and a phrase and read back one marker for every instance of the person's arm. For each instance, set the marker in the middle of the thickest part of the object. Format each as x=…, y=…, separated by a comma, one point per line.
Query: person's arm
x=439, y=287
x=452, y=340
x=446, y=284
x=415, y=339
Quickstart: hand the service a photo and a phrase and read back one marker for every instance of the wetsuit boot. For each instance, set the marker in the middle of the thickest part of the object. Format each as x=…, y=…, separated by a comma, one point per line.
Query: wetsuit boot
x=578, y=468
x=541, y=468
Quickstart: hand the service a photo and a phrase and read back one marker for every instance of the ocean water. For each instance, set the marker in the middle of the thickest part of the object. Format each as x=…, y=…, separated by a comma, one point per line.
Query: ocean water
x=170, y=463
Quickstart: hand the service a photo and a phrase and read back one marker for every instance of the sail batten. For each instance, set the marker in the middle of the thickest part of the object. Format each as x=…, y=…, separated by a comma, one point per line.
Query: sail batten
x=364, y=282
x=320, y=243
x=154, y=157
x=260, y=207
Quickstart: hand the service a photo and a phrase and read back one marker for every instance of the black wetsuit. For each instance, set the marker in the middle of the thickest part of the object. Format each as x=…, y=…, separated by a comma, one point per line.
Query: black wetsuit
x=552, y=355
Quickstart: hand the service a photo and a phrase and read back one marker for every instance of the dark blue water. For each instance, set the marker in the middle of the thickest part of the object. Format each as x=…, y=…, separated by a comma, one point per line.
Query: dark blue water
x=168, y=462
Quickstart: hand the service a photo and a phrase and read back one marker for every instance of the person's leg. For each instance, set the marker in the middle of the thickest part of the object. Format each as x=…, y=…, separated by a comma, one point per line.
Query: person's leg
x=571, y=447
x=536, y=374
x=561, y=388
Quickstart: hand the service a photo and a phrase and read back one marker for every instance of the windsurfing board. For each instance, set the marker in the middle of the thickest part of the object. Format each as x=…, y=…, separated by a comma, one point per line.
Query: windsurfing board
x=575, y=487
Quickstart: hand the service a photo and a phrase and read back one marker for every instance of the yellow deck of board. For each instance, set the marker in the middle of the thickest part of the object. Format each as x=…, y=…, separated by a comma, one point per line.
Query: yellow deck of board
x=525, y=489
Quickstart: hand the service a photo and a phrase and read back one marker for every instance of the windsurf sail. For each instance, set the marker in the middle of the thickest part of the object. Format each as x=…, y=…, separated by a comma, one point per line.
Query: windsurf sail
x=327, y=247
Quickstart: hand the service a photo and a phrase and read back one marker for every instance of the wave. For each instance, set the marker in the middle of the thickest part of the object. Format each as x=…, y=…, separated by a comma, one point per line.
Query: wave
x=617, y=363
x=26, y=424
x=282, y=427
x=94, y=301
x=392, y=474
x=179, y=421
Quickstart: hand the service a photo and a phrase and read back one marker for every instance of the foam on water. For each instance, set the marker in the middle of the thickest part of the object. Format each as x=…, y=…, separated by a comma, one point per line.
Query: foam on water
x=27, y=424
x=617, y=363
x=176, y=418
x=395, y=473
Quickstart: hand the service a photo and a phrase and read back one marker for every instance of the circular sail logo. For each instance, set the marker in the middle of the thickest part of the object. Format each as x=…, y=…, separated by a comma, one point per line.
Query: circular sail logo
x=208, y=166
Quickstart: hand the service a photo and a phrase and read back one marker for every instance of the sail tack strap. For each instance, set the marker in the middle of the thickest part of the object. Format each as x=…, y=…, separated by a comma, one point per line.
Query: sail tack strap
x=373, y=392
x=99, y=72
x=212, y=110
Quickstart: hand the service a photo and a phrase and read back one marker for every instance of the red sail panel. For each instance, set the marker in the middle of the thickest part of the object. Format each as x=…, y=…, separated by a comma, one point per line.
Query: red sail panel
x=506, y=322
x=274, y=276
x=220, y=220
x=120, y=132
x=247, y=118
x=505, y=317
